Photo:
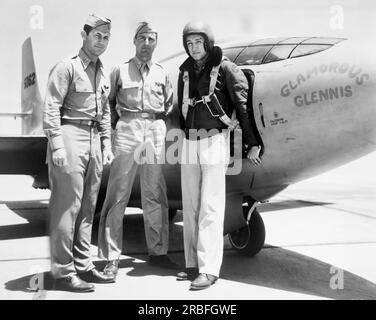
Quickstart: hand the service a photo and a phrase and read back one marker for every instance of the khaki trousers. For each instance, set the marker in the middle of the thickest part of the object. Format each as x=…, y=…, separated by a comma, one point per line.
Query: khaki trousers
x=74, y=190
x=133, y=139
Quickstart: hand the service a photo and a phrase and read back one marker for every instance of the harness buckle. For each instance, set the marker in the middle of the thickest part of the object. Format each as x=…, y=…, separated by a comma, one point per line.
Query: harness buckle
x=206, y=99
x=190, y=101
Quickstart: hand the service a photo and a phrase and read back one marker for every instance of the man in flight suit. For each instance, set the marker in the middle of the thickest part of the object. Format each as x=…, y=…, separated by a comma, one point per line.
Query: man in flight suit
x=209, y=85
x=141, y=96
x=78, y=127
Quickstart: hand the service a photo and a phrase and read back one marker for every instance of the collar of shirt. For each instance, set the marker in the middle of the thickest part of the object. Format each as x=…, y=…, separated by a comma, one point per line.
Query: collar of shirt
x=199, y=67
x=85, y=60
x=139, y=63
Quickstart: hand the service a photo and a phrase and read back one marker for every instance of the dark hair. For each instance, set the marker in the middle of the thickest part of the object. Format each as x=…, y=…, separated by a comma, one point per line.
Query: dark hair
x=87, y=28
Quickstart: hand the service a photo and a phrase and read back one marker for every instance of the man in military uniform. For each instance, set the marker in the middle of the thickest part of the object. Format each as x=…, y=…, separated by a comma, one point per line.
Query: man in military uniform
x=141, y=96
x=78, y=127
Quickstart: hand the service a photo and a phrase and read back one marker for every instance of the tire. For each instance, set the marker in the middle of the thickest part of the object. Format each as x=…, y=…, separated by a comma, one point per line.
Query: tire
x=250, y=239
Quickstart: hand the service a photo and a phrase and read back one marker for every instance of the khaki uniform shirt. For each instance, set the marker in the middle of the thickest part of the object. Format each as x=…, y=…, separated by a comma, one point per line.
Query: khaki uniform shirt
x=76, y=89
x=131, y=90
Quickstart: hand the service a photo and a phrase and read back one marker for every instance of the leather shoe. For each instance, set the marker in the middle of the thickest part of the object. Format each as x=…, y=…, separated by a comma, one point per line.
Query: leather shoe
x=203, y=281
x=73, y=283
x=163, y=261
x=188, y=274
x=94, y=275
x=111, y=268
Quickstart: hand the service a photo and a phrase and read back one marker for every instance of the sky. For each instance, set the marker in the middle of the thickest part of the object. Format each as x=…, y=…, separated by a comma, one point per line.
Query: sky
x=55, y=25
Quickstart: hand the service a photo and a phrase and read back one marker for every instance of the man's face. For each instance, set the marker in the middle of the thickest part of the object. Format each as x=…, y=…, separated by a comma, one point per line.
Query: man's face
x=145, y=44
x=196, y=48
x=96, y=41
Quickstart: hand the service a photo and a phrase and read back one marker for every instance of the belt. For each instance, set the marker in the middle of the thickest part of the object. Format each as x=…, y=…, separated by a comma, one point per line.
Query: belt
x=142, y=115
x=88, y=123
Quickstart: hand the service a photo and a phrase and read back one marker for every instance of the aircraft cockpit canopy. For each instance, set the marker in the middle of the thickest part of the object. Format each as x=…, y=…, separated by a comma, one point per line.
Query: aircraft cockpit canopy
x=277, y=49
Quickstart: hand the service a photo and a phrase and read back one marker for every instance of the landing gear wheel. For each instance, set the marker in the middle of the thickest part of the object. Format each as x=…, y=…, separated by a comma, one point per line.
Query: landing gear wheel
x=250, y=239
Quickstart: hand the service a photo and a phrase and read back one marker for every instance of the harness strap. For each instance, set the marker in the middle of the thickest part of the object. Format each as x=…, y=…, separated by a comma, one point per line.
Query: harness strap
x=186, y=100
x=213, y=79
x=216, y=109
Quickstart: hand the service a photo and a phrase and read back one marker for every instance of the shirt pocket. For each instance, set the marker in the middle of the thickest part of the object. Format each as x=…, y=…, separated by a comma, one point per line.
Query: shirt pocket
x=82, y=96
x=130, y=93
x=83, y=86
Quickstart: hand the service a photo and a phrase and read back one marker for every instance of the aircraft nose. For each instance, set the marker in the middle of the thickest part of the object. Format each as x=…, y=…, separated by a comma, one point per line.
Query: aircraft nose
x=361, y=78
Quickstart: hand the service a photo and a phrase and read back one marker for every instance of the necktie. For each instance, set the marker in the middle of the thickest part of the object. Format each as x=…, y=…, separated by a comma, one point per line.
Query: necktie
x=144, y=70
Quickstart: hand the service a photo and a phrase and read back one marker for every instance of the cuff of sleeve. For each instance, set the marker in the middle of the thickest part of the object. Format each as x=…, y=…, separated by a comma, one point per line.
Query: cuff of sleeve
x=56, y=142
x=106, y=143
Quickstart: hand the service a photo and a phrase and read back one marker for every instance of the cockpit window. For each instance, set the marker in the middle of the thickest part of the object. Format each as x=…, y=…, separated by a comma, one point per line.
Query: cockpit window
x=305, y=49
x=322, y=40
x=232, y=53
x=293, y=40
x=279, y=52
x=271, y=50
x=252, y=55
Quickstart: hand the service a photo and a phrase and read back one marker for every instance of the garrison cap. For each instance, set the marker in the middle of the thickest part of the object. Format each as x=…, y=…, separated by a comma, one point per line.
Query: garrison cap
x=144, y=27
x=96, y=21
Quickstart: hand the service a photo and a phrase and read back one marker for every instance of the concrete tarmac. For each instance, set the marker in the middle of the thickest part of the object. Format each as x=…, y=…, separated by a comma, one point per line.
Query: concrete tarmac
x=320, y=244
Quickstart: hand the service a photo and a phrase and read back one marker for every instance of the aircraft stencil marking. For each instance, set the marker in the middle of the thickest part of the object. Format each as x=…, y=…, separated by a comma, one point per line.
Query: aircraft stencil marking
x=29, y=80
x=278, y=121
x=343, y=68
x=323, y=95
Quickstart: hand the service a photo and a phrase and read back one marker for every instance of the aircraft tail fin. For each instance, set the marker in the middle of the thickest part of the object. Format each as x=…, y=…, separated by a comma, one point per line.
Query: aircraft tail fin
x=31, y=100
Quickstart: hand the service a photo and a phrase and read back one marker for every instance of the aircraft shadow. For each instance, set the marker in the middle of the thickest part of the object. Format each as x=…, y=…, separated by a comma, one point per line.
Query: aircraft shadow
x=274, y=267
x=29, y=283
x=134, y=245
x=286, y=270
x=290, y=204
x=36, y=214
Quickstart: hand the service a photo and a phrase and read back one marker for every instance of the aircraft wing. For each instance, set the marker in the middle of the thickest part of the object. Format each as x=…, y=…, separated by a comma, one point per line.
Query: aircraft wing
x=22, y=154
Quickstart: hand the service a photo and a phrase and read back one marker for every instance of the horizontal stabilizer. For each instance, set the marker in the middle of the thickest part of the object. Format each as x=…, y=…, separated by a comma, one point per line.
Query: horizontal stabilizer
x=15, y=114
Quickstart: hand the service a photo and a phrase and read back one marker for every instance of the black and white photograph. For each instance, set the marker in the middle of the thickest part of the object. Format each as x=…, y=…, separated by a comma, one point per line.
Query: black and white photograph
x=188, y=155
